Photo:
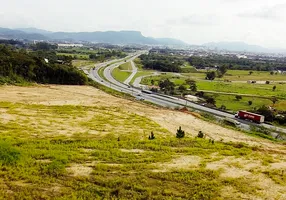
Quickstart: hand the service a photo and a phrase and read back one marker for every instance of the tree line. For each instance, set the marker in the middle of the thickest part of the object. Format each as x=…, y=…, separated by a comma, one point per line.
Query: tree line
x=43, y=66
x=234, y=63
x=162, y=62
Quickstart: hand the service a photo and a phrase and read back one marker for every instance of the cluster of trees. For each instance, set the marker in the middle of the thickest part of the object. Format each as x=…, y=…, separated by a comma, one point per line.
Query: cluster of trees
x=272, y=115
x=17, y=64
x=104, y=55
x=162, y=62
x=235, y=63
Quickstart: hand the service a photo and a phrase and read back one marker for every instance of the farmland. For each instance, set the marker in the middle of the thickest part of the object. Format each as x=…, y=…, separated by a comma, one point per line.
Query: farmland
x=225, y=92
x=72, y=142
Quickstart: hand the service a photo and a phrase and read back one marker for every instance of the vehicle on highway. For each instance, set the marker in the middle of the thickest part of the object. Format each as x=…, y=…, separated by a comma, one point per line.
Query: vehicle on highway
x=139, y=98
x=250, y=116
x=147, y=91
x=231, y=122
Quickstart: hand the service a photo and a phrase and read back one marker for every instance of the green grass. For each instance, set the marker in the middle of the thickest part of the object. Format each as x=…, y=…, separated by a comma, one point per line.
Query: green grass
x=126, y=66
x=138, y=63
x=243, y=75
x=37, y=162
x=141, y=73
x=75, y=56
x=120, y=75
x=234, y=105
x=262, y=90
x=83, y=63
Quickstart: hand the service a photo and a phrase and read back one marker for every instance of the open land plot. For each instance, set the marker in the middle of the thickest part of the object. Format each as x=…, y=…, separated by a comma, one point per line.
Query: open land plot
x=76, y=142
x=125, y=66
x=244, y=75
x=76, y=56
x=120, y=75
x=83, y=63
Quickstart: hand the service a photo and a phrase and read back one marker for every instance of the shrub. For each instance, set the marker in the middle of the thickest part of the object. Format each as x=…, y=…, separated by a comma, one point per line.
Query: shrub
x=180, y=133
x=152, y=136
x=267, y=82
x=8, y=154
x=238, y=97
x=250, y=103
x=201, y=134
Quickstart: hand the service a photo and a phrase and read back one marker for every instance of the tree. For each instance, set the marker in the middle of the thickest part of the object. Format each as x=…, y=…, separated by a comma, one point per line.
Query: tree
x=274, y=100
x=266, y=112
x=222, y=70
x=192, y=84
x=251, y=72
x=250, y=103
x=223, y=107
x=167, y=86
x=211, y=100
x=180, y=133
x=201, y=134
x=210, y=75
x=267, y=82
x=238, y=97
x=182, y=88
x=272, y=73
x=152, y=82
x=152, y=136
x=274, y=88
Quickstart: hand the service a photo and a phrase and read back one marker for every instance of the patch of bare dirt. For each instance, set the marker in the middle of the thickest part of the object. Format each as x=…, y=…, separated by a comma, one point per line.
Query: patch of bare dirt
x=183, y=162
x=79, y=170
x=132, y=150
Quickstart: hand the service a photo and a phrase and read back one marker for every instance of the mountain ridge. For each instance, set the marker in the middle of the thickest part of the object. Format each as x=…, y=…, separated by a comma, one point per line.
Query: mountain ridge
x=113, y=37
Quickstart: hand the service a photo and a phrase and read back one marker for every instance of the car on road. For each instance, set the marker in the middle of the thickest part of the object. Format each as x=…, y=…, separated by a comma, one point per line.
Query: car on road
x=139, y=98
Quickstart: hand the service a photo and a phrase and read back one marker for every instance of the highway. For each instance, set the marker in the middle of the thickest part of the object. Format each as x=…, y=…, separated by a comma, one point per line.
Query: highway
x=158, y=99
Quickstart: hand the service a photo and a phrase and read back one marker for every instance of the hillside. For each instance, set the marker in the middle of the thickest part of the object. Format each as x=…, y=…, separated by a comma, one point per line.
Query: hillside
x=20, y=67
x=112, y=37
x=76, y=142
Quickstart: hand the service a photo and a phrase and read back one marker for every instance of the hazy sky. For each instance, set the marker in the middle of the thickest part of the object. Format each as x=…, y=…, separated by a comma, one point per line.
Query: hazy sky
x=260, y=22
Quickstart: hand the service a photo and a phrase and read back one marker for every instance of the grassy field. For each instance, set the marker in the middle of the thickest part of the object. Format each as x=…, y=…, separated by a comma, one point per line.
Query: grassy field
x=75, y=56
x=259, y=94
x=126, y=66
x=64, y=147
x=242, y=75
x=83, y=63
x=141, y=73
x=120, y=75
x=262, y=90
x=138, y=63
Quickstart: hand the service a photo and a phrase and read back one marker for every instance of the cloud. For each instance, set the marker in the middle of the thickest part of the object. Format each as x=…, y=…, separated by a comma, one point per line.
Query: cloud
x=274, y=13
x=195, y=19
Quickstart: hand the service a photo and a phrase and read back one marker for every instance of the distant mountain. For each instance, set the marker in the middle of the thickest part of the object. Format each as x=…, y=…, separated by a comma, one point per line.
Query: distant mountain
x=6, y=33
x=111, y=37
x=34, y=30
x=236, y=46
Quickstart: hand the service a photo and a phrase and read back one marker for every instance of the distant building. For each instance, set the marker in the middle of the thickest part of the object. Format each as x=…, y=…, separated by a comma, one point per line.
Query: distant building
x=70, y=45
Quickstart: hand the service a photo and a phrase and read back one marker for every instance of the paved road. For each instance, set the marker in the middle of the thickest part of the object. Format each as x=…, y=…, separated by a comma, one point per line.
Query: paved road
x=162, y=100
x=134, y=72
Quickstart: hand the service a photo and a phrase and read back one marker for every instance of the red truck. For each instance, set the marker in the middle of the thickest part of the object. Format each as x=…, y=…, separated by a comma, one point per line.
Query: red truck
x=250, y=116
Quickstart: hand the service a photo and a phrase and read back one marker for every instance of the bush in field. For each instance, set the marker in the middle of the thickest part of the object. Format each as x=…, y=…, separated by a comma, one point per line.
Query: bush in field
x=152, y=136
x=201, y=134
x=180, y=133
x=223, y=107
x=55, y=168
x=267, y=82
x=238, y=97
x=250, y=103
x=8, y=154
